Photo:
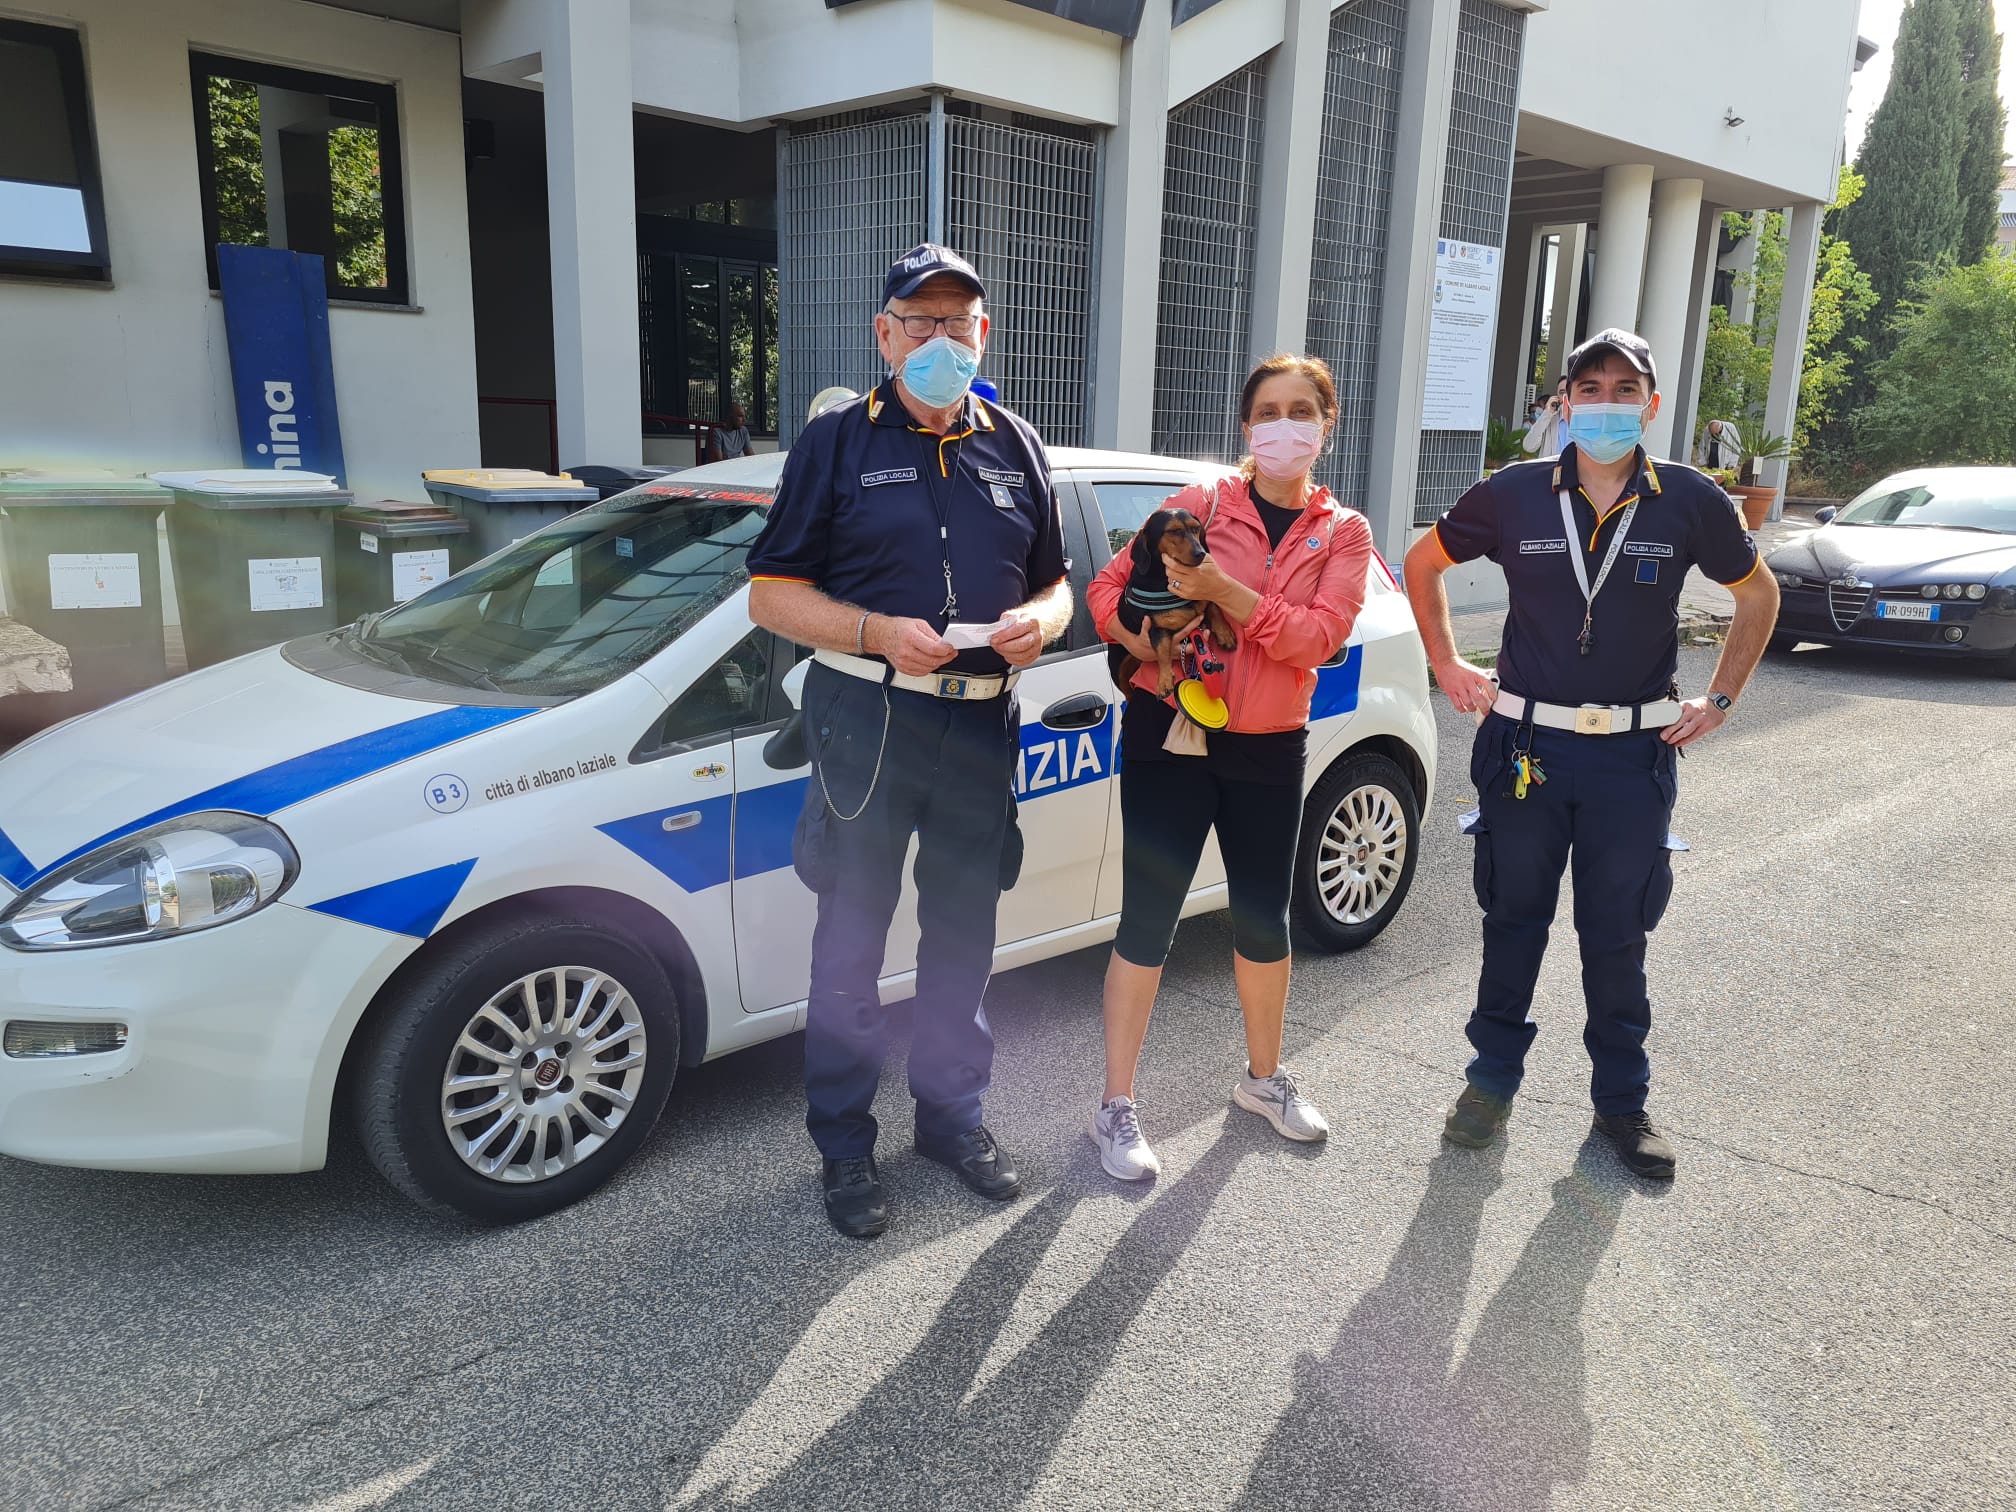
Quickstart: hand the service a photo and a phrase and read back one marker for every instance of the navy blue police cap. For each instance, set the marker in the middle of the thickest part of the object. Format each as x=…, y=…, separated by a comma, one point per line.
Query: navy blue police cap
x=1626, y=344
x=919, y=265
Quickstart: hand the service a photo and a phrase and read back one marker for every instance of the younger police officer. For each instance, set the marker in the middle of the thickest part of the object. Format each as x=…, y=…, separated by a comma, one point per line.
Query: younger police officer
x=1576, y=762
x=899, y=514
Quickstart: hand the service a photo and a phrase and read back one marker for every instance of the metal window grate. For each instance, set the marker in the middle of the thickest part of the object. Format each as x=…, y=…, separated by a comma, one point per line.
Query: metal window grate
x=850, y=200
x=1354, y=197
x=1210, y=207
x=1476, y=197
x=1020, y=204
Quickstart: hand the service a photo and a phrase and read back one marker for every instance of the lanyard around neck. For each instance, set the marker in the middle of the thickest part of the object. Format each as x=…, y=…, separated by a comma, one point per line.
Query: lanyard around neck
x=1586, y=640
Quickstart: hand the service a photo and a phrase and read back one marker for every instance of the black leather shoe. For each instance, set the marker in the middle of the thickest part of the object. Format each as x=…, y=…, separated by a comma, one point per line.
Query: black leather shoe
x=976, y=1159
x=856, y=1204
x=1476, y=1119
x=1641, y=1147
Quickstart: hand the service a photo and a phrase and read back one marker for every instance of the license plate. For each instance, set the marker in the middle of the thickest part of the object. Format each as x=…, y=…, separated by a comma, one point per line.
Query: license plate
x=1885, y=609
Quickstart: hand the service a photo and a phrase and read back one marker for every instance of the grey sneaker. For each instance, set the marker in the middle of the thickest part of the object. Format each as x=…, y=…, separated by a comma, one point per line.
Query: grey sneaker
x=1476, y=1119
x=1277, y=1099
x=1116, y=1129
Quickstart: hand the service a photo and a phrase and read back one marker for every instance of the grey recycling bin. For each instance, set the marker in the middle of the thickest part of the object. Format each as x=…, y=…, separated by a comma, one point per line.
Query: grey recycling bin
x=389, y=552
x=253, y=554
x=83, y=569
x=503, y=504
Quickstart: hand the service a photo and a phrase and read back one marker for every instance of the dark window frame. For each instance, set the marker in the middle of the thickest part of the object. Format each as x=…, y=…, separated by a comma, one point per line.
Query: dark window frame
x=729, y=261
x=95, y=265
x=391, y=164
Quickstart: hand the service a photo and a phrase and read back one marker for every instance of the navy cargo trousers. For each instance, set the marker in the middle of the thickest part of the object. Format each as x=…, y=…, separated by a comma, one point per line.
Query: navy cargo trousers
x=944, y=772
x=1605, y=809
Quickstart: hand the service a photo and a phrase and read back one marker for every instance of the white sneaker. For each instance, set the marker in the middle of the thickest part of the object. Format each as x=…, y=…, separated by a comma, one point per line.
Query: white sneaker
x=1277, y=1099
x=1116, y=1129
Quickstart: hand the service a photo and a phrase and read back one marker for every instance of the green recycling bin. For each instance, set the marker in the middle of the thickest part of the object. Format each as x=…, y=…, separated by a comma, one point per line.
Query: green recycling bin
x=254, y=556
x=389, y=552
x=83, y=566
x=502, y=504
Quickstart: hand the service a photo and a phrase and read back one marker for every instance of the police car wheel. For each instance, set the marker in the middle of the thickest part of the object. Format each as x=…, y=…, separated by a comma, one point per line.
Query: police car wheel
x=515, y=1072
x=1361, y=827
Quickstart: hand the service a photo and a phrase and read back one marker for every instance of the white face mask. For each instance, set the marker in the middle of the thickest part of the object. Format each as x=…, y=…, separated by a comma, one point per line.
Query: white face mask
x=1284, y=450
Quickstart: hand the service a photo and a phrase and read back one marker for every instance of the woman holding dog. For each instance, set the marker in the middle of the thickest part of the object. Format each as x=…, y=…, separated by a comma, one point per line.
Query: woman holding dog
x=1286, y=567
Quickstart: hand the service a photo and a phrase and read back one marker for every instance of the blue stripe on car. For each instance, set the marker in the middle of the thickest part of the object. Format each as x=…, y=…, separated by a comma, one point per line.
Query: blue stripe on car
x=1337, y=687
x=406, y=905
x=15, y=868
x=300, y=778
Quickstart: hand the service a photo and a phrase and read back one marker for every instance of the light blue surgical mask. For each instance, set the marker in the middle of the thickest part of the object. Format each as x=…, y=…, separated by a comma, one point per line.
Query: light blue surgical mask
x=1606, y=432
x=940, y=371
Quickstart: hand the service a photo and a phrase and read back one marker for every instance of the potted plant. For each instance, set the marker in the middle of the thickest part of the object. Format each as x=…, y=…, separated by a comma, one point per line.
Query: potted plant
x=1503, y=445
x=1756, y=500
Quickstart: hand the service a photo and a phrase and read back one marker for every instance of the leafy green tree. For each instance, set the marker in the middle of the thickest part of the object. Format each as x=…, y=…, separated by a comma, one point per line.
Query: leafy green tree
x=357, y=212
x=1980, y=166
x=238, y=163
x=1947, y=394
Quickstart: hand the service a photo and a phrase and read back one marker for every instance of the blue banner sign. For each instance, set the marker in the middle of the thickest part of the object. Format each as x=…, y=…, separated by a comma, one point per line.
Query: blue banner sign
x=276, y=323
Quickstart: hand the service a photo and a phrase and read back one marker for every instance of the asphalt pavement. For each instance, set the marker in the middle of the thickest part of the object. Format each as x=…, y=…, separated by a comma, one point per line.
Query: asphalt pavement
x=1817, y=1313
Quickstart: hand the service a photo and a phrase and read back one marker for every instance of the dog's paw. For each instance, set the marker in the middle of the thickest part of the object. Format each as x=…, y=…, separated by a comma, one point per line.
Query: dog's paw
x=1224, y=638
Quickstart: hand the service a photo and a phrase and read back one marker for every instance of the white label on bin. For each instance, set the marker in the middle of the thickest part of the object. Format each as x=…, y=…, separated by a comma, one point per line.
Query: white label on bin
x=368, y=541
x=557, y=572
x=285, y=583
x=414, y=572
x=94, y=580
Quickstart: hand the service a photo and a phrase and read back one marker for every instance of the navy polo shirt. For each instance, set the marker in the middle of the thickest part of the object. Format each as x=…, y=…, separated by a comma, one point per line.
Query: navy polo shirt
x=1514, y=517
x=865, y=490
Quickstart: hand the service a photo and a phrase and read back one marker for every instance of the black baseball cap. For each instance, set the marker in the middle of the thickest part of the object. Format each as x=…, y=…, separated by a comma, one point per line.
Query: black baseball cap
x=919, y=265
x=1626, y=344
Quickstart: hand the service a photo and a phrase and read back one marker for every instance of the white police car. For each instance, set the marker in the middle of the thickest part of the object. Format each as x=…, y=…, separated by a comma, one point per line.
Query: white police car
x=482, y=874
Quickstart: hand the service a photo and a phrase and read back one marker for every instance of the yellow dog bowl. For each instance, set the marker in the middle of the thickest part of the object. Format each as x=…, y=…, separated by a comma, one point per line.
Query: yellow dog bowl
x=1207, y=711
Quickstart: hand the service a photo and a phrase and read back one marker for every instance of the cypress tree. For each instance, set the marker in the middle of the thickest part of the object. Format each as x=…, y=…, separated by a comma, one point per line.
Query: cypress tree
x=1980, y=175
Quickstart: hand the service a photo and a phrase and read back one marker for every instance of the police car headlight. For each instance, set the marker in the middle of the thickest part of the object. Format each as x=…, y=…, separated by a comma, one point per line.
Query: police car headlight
x=1790, y=580
x=1977, y=591
x=188, y=874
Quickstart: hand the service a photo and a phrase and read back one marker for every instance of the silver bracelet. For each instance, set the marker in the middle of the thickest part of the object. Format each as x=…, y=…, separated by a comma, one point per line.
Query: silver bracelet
x=861, y=636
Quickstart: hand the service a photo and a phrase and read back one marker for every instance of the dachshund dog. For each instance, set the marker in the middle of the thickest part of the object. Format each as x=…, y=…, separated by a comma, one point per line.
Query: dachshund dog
x=1148, y=601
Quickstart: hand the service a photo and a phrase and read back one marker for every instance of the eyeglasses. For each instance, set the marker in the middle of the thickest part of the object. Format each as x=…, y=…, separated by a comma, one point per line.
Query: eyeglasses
x=924, y=327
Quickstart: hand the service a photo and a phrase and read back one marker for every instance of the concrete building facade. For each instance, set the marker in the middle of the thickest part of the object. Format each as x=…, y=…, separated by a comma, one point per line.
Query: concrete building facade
x=616, y=216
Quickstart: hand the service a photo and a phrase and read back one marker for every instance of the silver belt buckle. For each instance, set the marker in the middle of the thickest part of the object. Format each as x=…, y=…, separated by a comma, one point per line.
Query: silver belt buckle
x=1593, y=719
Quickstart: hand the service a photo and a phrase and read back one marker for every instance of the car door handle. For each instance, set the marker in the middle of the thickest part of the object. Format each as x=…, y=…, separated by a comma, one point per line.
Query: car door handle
x=1079, y=711
x=675, y=822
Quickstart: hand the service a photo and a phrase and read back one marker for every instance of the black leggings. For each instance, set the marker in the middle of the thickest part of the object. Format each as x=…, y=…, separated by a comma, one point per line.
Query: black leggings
x=1166, y=810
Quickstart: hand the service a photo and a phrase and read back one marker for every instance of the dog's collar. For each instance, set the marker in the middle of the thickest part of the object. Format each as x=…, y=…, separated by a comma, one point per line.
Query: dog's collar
x=1156, y=601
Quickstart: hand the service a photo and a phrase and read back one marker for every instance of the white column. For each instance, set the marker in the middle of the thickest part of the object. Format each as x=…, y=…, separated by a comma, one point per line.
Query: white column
x=1743, y=263
x=1420, y=154
x=1567, y=299
x=1512, y=363
x=1292, y=137
x=1669, y=287
x=1130, y=242
x=1683, y=391
x=591, y=204
x=1620, y=249
x=1788, y=356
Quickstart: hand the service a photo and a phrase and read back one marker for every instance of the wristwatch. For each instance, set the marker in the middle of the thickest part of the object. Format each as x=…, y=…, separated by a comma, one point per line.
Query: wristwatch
x=1721, y=701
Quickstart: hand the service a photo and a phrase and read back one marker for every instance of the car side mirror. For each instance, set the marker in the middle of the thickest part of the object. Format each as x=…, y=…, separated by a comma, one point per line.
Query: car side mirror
x=1822, y=516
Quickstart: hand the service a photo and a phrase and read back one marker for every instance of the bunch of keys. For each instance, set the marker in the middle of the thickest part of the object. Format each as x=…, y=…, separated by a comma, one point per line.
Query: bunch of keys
x=1525, y=773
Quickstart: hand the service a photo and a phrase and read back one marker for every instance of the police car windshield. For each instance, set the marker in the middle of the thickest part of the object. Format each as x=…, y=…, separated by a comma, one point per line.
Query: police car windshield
x=1961, y=504
x=578, y=604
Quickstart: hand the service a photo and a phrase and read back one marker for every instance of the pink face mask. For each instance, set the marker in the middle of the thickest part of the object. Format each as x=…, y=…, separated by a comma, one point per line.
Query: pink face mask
x=1285, y=449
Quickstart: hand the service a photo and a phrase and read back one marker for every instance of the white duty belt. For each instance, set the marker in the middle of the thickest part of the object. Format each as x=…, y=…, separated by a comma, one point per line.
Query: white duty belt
x=959, y=685
x=1590, y=719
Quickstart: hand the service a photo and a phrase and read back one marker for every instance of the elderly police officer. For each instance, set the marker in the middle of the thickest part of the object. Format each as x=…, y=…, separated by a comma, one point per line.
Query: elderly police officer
x=1575, y=763
x=914, y=509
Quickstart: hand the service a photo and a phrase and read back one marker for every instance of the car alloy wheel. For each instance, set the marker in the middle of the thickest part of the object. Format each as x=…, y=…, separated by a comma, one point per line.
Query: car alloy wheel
x=1362, y=854
x=544, y=1074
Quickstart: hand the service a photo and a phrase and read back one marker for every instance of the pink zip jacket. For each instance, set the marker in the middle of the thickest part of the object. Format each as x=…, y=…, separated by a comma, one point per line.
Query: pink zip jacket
x=1311, y=588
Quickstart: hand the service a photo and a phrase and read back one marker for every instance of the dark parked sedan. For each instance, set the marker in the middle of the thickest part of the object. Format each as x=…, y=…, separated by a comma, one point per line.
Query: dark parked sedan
x=1925, y=561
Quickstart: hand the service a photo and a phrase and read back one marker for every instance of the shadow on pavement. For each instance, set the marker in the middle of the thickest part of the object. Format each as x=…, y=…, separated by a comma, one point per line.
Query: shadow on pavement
x=1384, y=1421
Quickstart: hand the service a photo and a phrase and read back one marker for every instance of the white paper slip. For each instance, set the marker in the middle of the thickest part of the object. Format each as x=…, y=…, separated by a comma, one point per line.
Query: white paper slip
x=414, y=572
x=285, y=583
x=94, y=580
x=973, y=637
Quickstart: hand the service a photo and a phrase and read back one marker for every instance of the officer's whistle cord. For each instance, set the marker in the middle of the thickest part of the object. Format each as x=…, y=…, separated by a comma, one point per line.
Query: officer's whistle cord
x=1586, y=641
x=881, y=749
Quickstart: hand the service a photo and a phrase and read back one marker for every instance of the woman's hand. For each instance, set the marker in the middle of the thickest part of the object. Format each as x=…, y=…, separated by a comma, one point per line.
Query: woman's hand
x=1136, y=643
x=1206, y=583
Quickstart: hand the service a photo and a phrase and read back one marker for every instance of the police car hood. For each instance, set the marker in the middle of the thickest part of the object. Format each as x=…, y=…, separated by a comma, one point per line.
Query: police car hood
x=254, y=734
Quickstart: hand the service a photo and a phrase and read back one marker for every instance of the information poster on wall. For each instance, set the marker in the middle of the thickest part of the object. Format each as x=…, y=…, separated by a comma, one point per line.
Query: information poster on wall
x=1460, y=331
x=94, y=580
x=414, y=572
x=285, y=583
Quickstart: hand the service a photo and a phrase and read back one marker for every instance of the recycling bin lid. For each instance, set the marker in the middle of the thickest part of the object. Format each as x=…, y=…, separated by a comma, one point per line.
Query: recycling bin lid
x=249, y=488
x=507, y=485
x=394, y=517
x=36, y=490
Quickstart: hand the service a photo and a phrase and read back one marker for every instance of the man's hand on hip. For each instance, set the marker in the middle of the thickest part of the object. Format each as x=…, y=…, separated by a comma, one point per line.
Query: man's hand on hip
x=1697, y=718
x=910, y=645
x=1470, y=688
x=1020, y=644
